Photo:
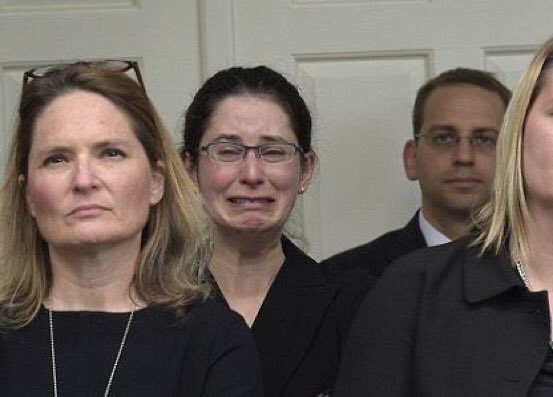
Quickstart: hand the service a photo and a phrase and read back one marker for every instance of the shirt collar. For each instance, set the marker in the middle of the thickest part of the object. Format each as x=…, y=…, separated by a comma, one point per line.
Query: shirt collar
x=432, y=236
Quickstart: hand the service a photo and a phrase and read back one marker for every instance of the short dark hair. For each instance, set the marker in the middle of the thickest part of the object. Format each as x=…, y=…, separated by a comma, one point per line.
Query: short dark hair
x=479, y=78
x=259, y=80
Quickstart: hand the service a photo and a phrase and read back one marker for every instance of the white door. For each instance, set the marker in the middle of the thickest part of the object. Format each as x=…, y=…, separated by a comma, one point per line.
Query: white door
x=358, y=64
x=163, y=35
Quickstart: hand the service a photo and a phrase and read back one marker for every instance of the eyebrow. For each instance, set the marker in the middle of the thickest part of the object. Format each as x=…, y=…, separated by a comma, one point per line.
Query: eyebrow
x=69, y=149
x=451, y=128
x=110, y=142
x=237, y=138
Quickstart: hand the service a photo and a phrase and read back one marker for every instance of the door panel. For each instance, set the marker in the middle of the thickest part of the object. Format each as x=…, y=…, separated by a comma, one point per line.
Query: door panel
x=163, y=35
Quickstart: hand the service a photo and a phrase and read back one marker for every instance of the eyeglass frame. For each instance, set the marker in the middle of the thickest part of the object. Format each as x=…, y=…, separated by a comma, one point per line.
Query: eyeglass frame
x=457, y=140
x=255, y=148
x=30, y=73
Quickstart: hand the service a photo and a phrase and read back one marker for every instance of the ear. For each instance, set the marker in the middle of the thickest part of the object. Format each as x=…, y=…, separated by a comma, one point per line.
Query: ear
x=410, y=160
x=308, y=166
x=157, y=188
x=190, y=167
x=22, y=184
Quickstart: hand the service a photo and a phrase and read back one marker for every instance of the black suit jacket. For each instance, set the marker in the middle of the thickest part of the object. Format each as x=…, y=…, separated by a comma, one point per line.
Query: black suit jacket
x=299, y=329
x=447, y=321
x=376, y=255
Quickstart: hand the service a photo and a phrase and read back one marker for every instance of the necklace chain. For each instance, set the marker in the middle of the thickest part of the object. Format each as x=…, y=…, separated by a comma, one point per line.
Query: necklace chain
x=522, y=272
x=524, y=276
x=113, y=369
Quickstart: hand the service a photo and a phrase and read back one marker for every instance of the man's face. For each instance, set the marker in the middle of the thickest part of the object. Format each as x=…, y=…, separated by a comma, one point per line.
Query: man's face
x=454, y=178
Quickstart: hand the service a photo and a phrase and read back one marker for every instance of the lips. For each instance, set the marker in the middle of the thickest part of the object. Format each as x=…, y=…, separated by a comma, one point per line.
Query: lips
x=251, y=202
x=87, y=210
x=464, y=181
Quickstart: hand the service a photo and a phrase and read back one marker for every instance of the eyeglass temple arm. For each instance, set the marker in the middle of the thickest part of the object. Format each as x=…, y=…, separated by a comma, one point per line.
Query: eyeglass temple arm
x=138, y=75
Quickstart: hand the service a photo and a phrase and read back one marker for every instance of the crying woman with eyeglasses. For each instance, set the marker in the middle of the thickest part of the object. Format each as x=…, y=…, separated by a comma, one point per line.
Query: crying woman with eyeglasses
x=247, y=145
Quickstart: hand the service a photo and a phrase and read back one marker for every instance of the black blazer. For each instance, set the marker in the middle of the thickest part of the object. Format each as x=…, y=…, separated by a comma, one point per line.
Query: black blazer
x=376, y=255
x=446, y=321
x=299, y=329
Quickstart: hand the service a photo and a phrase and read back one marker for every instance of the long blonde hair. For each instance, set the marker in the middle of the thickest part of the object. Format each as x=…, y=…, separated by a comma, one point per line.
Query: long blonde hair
x=175, y=241
x=504, y=219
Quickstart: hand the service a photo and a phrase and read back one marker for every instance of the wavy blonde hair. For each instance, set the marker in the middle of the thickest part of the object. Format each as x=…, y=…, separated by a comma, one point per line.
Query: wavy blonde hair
x=175, y=241
x=503, y=221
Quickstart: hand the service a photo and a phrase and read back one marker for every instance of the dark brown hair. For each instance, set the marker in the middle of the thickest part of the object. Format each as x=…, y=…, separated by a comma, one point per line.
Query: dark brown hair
x=260, y=80
x=475, y=77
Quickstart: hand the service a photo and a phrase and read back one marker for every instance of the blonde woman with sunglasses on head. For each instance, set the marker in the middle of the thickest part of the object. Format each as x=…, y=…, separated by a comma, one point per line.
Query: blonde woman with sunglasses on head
x=103, y=239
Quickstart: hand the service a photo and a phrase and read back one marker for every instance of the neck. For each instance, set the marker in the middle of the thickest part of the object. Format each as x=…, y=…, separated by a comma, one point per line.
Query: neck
x=93, y=278
x=245, y=268
x=452, y=225
x=540, y=250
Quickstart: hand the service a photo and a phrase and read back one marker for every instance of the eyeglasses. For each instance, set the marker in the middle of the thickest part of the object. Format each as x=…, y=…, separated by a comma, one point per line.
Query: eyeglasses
x=114, y=65
x=232, y=153
x=483, y=142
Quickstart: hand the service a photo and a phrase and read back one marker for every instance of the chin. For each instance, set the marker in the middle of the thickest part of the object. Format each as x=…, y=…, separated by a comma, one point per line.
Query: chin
x=253, y=227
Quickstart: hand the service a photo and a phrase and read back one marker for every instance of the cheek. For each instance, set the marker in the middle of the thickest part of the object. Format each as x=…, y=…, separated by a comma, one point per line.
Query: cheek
x=487, y=167
x=213, y=179
x=133, y=193
x=286, y=180
x=43, y=197
x=532, y=161
x=538, y=141
x=430, y=164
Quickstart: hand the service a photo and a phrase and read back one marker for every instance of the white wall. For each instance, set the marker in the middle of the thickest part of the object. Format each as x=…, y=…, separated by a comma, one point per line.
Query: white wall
x=358, y=64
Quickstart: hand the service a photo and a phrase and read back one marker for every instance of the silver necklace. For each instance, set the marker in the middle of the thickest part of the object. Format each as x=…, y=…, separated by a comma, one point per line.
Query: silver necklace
x=524, y=276
x=522, y=272
x=53, y=353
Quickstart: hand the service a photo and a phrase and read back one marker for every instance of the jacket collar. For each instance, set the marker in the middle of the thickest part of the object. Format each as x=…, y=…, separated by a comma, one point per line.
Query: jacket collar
x=487, y=275
x=291, y=315
x=414, y=238
x=408, y=239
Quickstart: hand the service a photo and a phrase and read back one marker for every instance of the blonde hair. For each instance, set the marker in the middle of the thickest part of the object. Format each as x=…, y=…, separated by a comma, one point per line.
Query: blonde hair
x=176, y=241
x=504, y=219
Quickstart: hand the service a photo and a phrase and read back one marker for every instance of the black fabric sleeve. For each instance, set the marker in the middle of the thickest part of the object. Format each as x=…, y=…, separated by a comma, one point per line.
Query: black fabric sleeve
x=378, y=359
x=234, y=365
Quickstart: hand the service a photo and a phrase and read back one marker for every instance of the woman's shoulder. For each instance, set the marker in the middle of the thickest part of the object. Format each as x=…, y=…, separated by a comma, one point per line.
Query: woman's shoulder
x=207, y=329
x=439, y=258
x=209, y=315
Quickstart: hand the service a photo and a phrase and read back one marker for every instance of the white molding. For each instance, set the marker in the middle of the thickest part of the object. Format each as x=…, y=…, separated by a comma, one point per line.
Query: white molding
x=19, y=6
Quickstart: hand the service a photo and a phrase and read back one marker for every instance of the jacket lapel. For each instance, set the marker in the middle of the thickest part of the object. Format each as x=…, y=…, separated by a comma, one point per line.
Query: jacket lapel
x=521, y=332
x=290, y=316
x=408, y=239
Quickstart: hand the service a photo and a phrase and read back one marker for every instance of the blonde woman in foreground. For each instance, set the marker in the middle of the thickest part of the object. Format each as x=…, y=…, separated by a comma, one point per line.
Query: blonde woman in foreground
x=472, y=318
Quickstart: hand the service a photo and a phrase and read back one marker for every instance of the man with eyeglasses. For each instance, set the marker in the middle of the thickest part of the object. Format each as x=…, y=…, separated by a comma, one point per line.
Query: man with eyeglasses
x=456, y=121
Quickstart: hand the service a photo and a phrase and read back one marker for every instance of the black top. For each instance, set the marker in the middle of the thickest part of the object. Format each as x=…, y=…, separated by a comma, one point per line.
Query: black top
x=376, y=255
x=446, y=321
x=208, y=353
x=543, y=385
x=299, y=329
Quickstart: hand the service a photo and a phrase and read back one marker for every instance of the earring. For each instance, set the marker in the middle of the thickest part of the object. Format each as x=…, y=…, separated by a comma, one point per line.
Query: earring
x=302, y=190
